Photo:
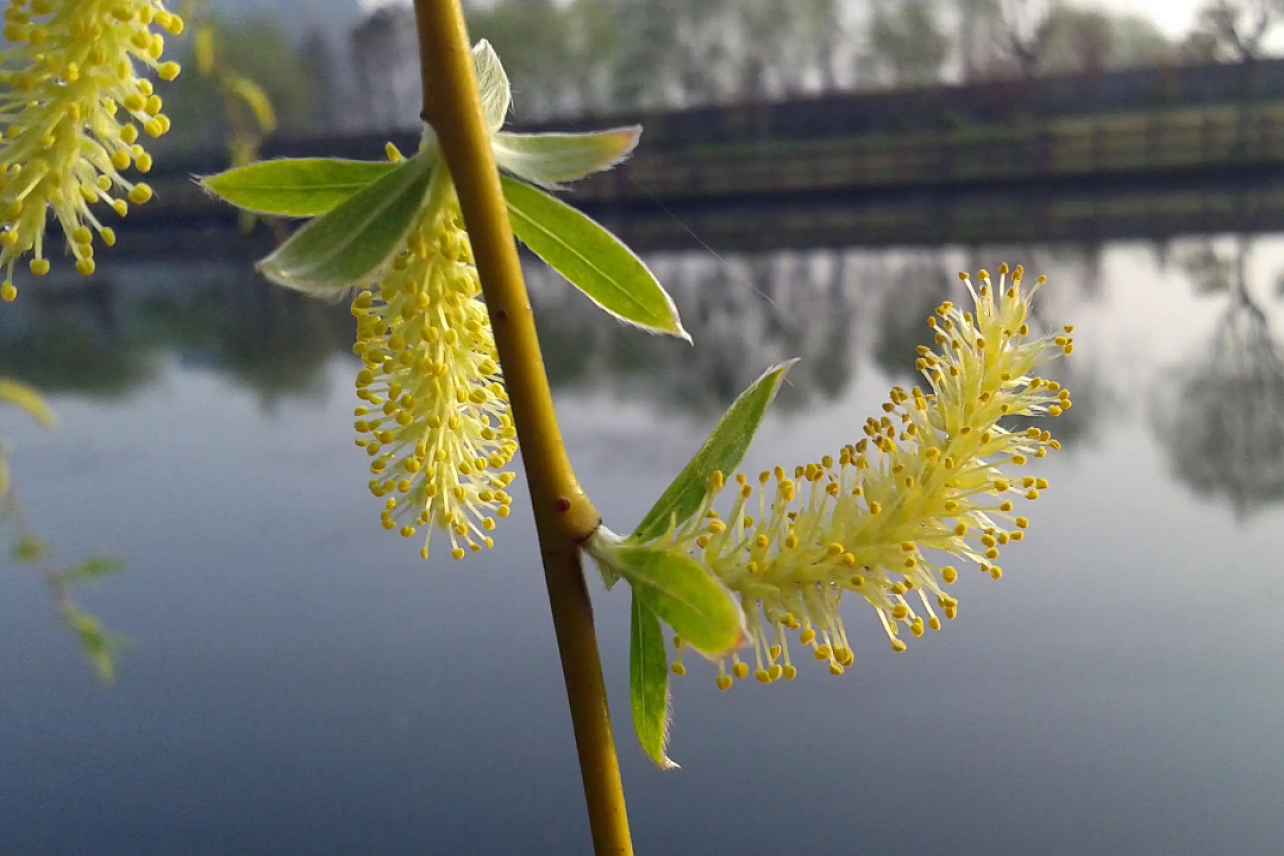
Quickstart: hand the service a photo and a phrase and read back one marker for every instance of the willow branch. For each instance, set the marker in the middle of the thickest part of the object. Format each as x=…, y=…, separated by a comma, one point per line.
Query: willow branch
x=564, y=516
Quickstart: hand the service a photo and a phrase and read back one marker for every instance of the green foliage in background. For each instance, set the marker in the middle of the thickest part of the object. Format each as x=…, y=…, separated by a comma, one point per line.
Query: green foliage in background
x=27, y=548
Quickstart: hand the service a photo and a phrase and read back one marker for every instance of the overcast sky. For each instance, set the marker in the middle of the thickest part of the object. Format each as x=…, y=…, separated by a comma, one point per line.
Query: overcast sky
x=1172, y=16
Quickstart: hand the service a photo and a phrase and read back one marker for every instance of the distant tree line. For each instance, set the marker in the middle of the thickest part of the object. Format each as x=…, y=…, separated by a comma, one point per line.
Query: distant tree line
x=569, y=57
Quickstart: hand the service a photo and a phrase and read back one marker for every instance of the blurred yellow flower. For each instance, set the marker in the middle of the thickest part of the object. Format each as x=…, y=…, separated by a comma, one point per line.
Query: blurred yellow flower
x=76, y=96
x=926, y=479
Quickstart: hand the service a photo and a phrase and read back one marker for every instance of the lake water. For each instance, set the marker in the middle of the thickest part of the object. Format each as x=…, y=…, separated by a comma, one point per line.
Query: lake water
x=300, y=682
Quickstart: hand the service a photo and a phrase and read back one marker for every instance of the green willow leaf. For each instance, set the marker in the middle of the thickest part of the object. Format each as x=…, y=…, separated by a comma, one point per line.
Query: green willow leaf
x=295, y=187
x=94, y=566
x=721, y=452
x=353, y=240
x=99, y=644
x=649, y=682
x=591, y=258
x=550, y=159
x=678, y=590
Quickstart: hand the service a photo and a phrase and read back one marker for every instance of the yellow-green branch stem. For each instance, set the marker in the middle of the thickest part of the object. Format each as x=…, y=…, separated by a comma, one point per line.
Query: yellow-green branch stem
x=564, y=517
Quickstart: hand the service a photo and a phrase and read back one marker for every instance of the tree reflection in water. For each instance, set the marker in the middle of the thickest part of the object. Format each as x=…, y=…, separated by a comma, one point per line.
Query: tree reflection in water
x=911, y=294
x=1222, y=423
x=745, y=313
x=109, y=339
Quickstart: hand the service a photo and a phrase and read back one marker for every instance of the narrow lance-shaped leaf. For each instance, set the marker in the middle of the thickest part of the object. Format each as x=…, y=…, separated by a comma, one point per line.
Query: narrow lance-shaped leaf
x=21, y=395
x=679, y=590
x=550, y=159
x=591, y=258
x=722, y=452
x=352, y=241
x=94, y=566
x=295, y=187
x=649, y=682
x=98, y=643
x=255, y=98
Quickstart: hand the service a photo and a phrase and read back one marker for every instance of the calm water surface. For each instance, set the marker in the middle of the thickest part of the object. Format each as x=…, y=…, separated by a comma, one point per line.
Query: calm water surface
x=300, y=682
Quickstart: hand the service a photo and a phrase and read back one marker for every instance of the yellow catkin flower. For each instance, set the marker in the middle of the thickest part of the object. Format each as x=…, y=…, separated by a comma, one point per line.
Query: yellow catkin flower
x=77, y=92
x=435, y=421
x=928, y=479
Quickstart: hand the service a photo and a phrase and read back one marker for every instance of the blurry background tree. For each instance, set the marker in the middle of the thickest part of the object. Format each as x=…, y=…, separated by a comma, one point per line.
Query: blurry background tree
x=242, y=79
x=575, y=57
x=907, y=44
x=1232, y=30
x=1027, y=26
x=1088, y=40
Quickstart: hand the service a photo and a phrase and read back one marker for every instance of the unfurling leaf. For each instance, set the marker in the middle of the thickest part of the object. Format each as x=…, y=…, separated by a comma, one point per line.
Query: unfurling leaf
x=550, y=159
x=349, y=243
x=721, y=452
x=492, y=83
x=649, y=682
x=295, y=187
x=682, y=593
x=591, y=258
x=254, y=97
x=23, y=396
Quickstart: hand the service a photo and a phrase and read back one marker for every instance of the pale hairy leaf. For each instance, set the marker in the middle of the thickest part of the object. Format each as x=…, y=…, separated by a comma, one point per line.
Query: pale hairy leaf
x=295, y=187
x=353, y=240
x=591, y=258
x=721, y=452
x=548, y=160
x=649, y=681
